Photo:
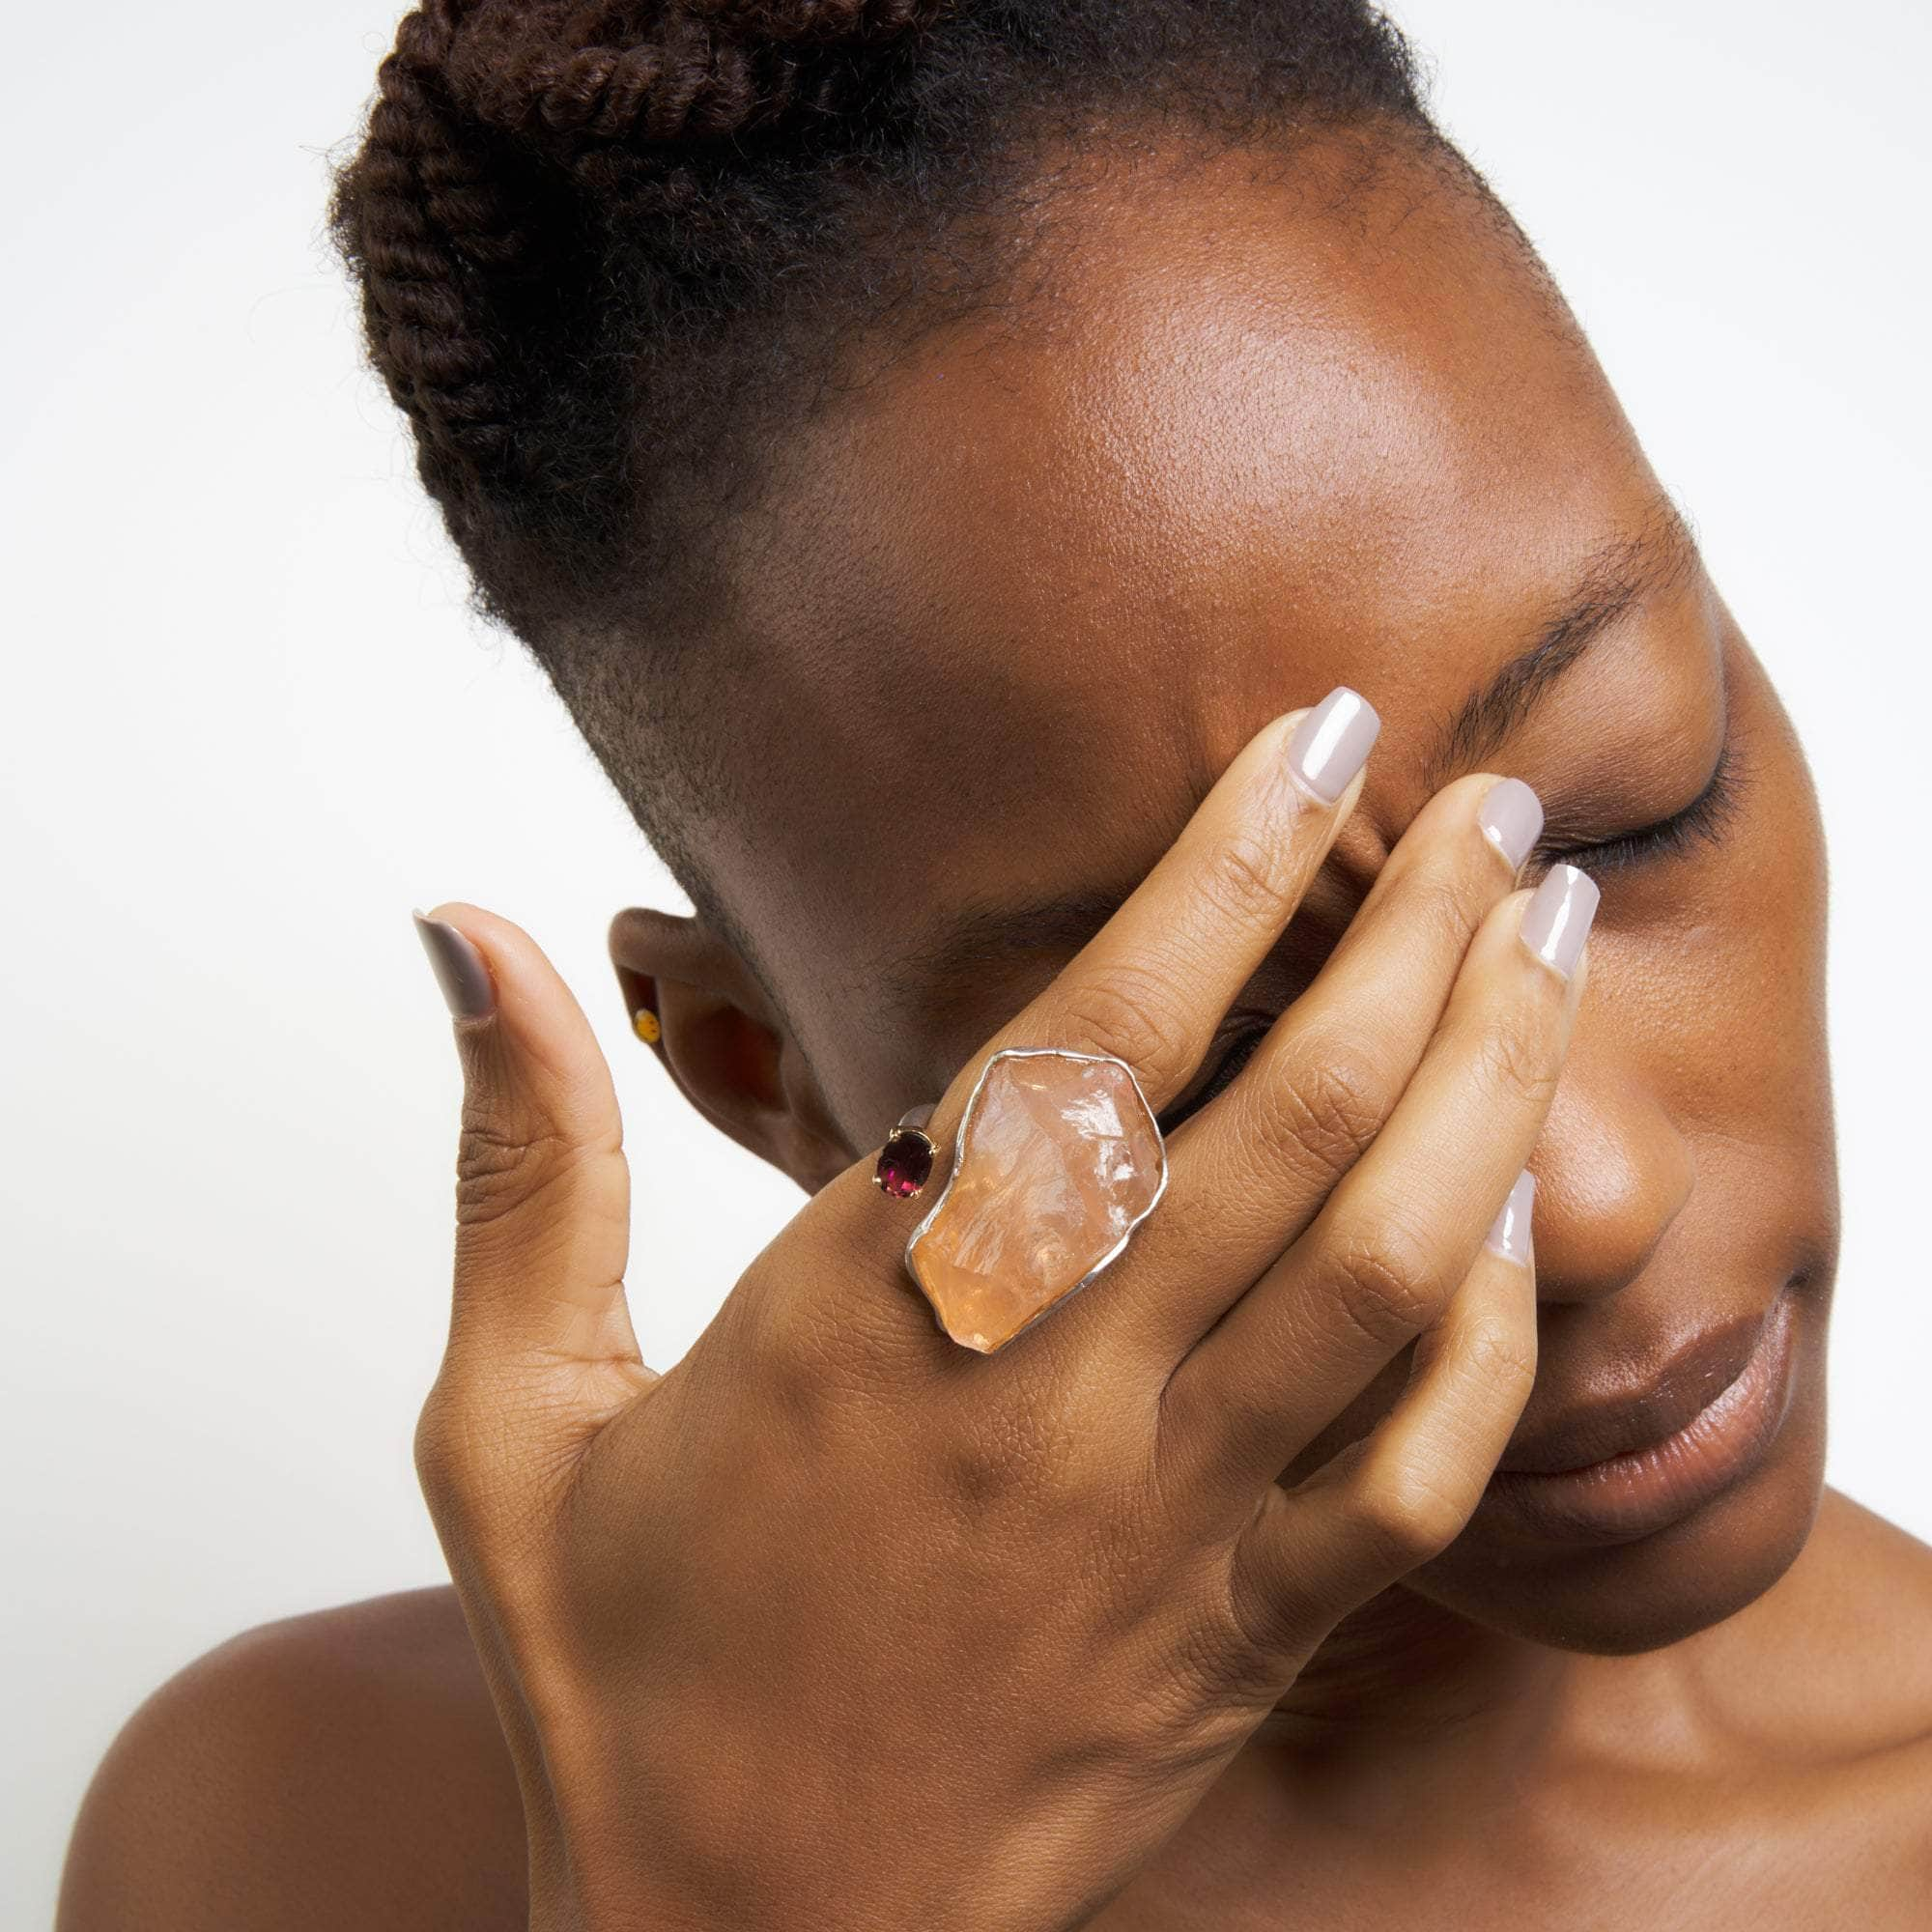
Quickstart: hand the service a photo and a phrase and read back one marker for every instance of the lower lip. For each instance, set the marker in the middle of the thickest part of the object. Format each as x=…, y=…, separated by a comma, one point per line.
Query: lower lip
x=1646, y=1489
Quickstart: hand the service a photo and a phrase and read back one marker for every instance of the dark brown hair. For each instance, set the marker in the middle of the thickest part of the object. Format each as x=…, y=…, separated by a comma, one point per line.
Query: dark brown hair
x=607, y=248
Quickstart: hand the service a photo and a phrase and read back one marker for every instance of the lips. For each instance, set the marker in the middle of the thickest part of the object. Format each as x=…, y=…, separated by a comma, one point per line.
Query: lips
x=1682, y=1387
x=1616, y=1469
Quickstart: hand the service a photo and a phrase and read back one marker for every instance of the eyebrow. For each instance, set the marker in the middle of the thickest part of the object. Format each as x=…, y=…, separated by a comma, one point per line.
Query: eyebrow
x=1657, y=556
x=981, y=940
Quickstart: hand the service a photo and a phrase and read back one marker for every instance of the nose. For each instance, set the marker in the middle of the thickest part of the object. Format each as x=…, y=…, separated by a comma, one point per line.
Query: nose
x=1612, y=1172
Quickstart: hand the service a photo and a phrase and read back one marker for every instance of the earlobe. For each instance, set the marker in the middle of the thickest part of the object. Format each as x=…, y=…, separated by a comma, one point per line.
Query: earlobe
x=693, y=1001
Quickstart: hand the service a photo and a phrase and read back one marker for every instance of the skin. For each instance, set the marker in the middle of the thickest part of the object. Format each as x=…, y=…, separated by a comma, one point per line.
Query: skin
x=1265, y=440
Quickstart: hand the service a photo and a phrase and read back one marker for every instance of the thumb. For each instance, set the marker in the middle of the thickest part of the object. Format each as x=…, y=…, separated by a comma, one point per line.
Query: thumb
x=543, y=1194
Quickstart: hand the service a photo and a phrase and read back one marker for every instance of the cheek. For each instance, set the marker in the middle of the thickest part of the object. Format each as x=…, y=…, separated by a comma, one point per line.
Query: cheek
x=1696, y=1100
x=1709, y=971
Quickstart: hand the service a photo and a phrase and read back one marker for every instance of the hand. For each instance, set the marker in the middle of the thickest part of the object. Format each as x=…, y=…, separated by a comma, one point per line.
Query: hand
x=837, y=1624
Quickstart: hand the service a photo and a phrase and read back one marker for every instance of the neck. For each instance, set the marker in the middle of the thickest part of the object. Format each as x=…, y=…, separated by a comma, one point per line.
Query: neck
x=1405, y=1683
x=1403, y=1669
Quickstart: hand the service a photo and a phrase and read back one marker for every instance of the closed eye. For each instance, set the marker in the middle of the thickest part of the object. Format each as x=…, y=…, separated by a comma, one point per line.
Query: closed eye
x=1704, y=819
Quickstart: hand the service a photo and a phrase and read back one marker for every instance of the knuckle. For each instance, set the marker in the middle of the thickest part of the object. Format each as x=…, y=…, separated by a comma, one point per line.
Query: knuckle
x=1266, y=1618
x=1246, y=883
x=442, y=1464
x=1502, y=1355
x=1515, y=1059
x=1318, y=1114
x=503, y=1162
x=1135, y=1015
x=1265, y=1603
x=468, y=1452
x=1405, y=1518
x=1387, y=1284
x=1443, y=903
x=814, y=1329
x=778, y=1343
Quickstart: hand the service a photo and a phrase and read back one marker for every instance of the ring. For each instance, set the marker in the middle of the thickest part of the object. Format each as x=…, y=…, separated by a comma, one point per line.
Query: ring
x=1057, y=1160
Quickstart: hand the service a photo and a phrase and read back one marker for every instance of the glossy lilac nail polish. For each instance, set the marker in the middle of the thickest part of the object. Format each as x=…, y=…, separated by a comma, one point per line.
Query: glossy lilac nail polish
x=1511, y=818
x=1556, y=920
x=1509, y=1233
x=1332, y=743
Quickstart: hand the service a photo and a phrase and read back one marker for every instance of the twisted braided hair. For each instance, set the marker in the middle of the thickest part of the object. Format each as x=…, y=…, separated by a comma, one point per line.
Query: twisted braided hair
x=602, y=247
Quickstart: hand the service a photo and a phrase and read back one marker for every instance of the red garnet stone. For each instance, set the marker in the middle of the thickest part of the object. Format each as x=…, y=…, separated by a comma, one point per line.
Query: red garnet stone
x=905, y=1163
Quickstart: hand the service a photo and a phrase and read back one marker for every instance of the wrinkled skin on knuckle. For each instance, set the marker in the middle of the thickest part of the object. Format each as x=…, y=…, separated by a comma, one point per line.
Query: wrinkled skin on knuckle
x=1135, y=1015
x=1231, y=1657
x=1502, y=1357
x=1249, y=881
x=502, y=1161
x=1315, y=1113
x=1264, y=1644
x=1386, y=1281
x=1517, y=1057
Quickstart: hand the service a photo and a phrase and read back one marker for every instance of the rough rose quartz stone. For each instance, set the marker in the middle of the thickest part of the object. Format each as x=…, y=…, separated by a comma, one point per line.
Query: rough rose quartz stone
x=1058, y=1157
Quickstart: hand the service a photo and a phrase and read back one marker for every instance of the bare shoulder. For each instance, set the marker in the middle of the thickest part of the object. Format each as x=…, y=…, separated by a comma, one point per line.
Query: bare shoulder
x=339, y=1769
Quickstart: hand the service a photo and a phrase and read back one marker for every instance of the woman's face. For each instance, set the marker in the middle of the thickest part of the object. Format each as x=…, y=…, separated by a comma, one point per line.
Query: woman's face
x=1029, y=592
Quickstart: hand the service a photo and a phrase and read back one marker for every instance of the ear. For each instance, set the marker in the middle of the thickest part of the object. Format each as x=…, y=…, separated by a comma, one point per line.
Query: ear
x=695, y=1004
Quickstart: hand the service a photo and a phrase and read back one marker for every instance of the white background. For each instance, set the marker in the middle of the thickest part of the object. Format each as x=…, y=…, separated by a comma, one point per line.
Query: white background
x=248, y=725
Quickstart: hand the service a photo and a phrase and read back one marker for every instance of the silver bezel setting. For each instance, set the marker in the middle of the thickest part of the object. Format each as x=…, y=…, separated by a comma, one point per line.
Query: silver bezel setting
x=1112, y=1255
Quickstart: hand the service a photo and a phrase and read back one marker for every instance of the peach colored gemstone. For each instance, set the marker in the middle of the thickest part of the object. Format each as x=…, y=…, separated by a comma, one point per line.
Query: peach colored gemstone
x=1058, y=1157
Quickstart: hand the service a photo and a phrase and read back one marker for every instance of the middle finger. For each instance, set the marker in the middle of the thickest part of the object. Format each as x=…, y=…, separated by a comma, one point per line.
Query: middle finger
x=1249, y=1172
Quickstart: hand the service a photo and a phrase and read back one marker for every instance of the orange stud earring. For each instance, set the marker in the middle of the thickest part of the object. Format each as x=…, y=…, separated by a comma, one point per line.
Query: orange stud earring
x=647, y=1026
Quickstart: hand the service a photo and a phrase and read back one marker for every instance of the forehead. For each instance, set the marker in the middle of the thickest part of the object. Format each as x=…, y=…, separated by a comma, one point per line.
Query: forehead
x=1029, y=588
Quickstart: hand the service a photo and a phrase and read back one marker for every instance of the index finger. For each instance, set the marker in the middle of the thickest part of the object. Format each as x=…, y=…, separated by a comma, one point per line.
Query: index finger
x=1152, y=985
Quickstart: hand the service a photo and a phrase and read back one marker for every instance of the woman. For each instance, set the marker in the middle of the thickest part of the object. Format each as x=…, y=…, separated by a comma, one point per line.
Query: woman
x=943, y=455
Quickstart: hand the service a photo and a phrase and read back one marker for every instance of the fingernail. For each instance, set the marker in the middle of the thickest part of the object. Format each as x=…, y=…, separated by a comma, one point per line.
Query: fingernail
x=1556, y=920
x=1509, y=1235
x=1331, y=744
x=459, y=969
x=1511, y=818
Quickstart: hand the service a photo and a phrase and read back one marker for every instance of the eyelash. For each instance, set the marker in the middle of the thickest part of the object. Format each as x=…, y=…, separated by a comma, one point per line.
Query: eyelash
x=1704, y=818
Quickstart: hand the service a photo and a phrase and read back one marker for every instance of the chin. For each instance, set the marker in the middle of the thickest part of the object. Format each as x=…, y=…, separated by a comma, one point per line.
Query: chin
x=1607, y=1592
